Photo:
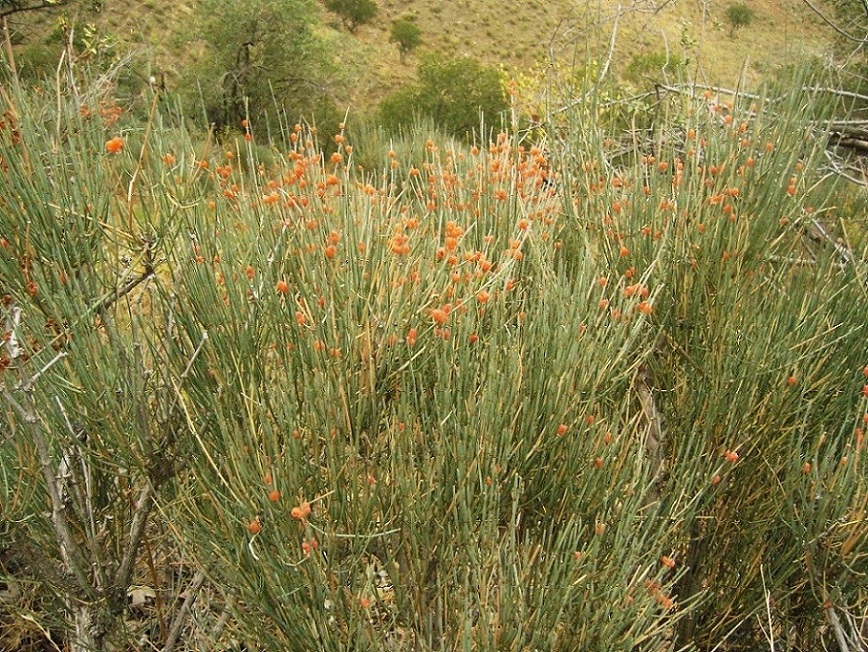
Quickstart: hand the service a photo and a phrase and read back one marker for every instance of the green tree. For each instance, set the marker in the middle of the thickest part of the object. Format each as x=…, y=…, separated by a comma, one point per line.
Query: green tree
x=260, y=55
x=353, y=12
x=406, y=35
x=451, y=92
x=739, y=15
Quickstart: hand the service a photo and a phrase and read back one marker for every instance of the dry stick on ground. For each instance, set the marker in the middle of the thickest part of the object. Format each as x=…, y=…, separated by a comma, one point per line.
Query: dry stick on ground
x=839, y=169
x=693, y=87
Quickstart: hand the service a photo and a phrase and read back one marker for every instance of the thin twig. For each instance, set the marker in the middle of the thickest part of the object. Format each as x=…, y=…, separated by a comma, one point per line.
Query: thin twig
x=10, y=56
x=149, y=127
x=27, y=385
x=115, y=295
x=124, y=574
x=835, y=622
x=18, y=8
x=45, y=632
x=853, y=122
x=70, y=63
x=845, y=253
x=612, y=40
x=768, y=609
x=834, y=26
x=841, y=172
x=181, y=616
x=99, y=567
x=221, y=623
x=69, y=551
x=691, y=88
x=835, y=91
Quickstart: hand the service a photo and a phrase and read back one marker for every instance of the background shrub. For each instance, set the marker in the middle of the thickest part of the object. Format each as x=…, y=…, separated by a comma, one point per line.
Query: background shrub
x=738, y=15
x=454, y=93
x=353, y=12
x=260, y=56
x=653, y=67
x=406, y=35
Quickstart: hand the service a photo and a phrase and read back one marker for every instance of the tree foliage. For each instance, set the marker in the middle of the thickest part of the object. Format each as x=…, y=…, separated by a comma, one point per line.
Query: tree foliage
x=739, y=15
x=353, y=12
x=451, y=92
x=260, y=55
x=406, y=35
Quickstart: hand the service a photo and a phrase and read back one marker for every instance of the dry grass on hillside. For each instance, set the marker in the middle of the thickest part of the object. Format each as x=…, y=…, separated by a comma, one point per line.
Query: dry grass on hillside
x=516, y=35
x=513, y=34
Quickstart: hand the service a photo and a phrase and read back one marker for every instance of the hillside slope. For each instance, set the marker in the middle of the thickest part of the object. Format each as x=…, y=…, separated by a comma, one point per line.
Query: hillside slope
x=508, y=33
x=517, y=35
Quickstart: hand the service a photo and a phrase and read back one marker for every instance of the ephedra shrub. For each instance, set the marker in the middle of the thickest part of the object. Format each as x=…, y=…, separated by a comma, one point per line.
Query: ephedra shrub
x=759, y=376
x=490, y=398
